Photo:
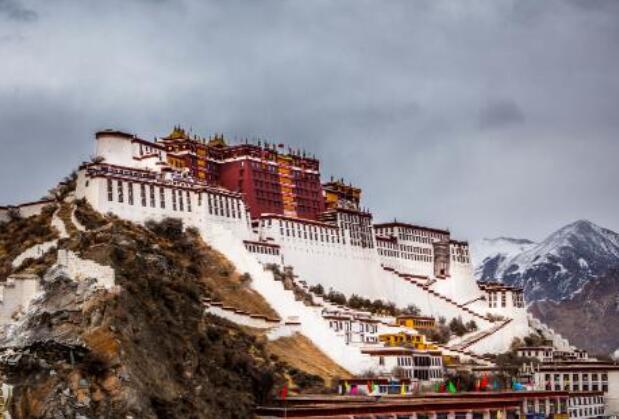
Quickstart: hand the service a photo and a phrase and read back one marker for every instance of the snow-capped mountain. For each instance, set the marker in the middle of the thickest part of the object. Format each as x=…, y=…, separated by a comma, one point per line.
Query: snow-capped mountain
x=555, y=268
x=489, y=254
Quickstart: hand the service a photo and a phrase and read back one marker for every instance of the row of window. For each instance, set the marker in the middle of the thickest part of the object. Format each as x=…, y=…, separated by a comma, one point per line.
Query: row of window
x=586, y=400
x=153, y=197
x=419, y=361
x=554, y=406
x=408, y=256
x=348, y=325
x=415, y=235
x=265, y=250
x=587, y=412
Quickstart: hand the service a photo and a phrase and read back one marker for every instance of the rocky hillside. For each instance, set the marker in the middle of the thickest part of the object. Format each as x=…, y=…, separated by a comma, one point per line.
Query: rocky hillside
x=143, y=348
x=587, y=318
x=557, y=267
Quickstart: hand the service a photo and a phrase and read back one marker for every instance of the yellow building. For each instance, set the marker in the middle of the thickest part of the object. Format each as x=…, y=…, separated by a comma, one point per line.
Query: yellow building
x=406, y=339
x=416, y=322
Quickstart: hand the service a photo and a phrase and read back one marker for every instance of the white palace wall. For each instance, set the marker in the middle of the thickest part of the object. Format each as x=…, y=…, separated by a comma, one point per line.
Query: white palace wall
x=95, y=191
x=461, y=285
x=331, y=263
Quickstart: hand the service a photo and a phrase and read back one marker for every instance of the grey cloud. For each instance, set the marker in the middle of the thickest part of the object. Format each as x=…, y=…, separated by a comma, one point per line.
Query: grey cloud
x=500, y=113
x=14, y=10
x=405, y=98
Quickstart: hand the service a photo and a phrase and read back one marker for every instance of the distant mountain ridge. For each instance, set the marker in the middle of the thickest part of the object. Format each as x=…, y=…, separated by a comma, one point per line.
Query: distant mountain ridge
x=595, y=305
x=555, y=268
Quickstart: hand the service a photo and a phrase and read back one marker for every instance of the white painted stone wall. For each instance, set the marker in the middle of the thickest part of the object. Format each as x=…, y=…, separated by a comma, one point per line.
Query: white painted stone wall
x=35, y=252
x=58, y=224
x=80, y=269
x=348, y=269
x=95, y=191
x=460, y=285
x=283, y=302
x=35, y=208
x=500, y=341
x=16, y=294
x=241, y=319
x=612, y=397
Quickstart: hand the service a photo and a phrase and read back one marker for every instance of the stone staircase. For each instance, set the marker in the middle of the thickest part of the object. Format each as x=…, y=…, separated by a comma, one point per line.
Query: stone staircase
x=414, y=280
x=466, y=355
x=284, y=302
x=482, y=298
x=275, y=327
x=476, y=337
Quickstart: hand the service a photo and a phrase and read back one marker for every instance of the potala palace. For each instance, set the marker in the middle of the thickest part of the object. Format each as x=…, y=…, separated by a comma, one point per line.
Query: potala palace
x=267, y=208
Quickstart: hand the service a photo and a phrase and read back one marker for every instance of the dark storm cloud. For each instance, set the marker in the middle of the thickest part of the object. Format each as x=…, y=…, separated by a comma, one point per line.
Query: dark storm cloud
x=14, y=10
x=500, y=113
x=489, y=117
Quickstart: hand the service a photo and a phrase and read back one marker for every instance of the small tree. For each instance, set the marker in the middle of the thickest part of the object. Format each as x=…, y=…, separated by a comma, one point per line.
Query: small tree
x=317, y=289
x=412, y=310
x=471, y=326
x=457, y=326
x=336, y=297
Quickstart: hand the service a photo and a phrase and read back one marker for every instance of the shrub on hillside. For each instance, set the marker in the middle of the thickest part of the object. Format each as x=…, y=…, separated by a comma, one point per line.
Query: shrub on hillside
x=457, y=327
x=412, y=310
x=168, y=228
x=336, y=297
x=317, y=289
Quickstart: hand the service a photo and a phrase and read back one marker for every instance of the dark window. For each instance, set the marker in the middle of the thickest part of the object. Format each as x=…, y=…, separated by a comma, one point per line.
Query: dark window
x=110, y=191
x=120, y=191
x=143, y=194
x=130, y=192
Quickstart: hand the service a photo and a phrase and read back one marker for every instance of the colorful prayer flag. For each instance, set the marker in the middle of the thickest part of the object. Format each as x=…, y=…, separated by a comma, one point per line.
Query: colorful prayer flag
x=451, y=387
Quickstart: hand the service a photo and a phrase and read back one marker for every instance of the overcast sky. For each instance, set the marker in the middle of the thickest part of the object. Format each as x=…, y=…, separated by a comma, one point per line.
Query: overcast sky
x=487, y=117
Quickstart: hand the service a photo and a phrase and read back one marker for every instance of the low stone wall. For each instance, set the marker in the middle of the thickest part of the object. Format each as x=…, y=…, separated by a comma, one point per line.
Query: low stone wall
x=240, y=317
x=58, y=224
x=35, y=252
x=16, y=294
x=80, y=269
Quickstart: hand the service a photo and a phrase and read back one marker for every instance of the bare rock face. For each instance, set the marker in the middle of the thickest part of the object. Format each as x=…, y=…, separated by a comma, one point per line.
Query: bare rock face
x=142, y=349
x=596, y=306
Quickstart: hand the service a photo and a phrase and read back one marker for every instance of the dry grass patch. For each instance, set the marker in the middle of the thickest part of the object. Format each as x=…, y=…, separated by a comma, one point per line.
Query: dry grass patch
x=234, y=289
x=299, y=352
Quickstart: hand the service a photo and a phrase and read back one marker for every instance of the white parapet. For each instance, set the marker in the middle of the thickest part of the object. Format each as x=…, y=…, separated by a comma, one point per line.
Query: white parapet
x=16, y=294
x=58, y=224
x=35, y=252
x=80, y=269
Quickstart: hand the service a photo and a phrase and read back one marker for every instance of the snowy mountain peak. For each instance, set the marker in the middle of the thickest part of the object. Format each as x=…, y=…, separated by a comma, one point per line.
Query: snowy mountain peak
x=504, y=246
x=554, y=268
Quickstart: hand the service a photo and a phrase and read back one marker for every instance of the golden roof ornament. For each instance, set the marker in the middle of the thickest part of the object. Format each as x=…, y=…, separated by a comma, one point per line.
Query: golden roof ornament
x=217, y=141
x=177, y=133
